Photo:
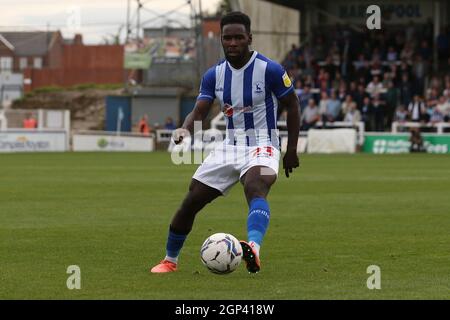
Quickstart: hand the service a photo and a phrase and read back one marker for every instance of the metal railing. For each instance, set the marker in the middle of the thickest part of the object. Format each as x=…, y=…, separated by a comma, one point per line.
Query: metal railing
x=439, y=126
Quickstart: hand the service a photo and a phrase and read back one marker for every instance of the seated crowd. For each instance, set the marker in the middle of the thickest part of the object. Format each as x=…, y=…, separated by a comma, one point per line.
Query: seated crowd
x=374, y=77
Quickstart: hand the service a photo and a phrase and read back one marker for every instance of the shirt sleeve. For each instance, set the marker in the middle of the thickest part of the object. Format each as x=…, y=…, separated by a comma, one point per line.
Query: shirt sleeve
x=278, y=80
x=207, y=87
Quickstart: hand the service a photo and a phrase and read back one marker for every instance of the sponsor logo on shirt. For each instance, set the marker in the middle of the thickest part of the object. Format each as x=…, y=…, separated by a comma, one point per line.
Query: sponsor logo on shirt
x=286, y=80
x=229, y=111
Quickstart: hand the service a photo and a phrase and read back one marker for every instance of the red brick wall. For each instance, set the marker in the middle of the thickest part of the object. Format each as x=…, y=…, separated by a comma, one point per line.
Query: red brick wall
x=54, y=57
x=81, y=64
x=211, y=25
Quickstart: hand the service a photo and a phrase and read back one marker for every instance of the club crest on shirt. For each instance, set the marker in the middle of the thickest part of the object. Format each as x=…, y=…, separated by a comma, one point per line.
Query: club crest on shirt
x=286, y=80
x=258, y=86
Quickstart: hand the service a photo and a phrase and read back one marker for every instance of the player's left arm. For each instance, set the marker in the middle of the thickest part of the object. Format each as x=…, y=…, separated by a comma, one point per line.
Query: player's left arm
x=281, y=86
x=291, y=104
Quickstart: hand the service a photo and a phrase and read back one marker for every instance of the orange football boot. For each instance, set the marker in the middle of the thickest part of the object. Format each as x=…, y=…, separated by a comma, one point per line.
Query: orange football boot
x=164, y=266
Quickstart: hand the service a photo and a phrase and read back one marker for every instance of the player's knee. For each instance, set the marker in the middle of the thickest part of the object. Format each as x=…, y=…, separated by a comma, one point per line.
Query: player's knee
x=194, y=202
x=255, y=190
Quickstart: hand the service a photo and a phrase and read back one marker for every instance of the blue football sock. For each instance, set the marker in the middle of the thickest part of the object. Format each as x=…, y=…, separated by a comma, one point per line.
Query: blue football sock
x=175, y=242
x=258, y=220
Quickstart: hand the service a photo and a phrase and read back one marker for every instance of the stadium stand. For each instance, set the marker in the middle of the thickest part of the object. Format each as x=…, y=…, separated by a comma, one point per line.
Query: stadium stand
x=385, y=73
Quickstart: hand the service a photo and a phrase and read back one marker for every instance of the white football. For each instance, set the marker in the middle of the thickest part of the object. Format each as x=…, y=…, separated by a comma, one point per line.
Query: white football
x=221, y=253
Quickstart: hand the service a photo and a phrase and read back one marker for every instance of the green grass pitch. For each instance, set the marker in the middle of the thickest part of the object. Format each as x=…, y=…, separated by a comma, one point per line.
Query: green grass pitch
x=108, y=213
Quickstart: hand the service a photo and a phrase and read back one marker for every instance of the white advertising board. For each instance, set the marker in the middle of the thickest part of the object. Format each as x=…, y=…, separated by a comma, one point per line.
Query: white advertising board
x=32, y=141
x=83, y=142
x=332, y=141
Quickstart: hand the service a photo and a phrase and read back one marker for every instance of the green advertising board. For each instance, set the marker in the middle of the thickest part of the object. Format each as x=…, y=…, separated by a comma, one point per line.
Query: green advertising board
x=134, y=60
x=399, y=143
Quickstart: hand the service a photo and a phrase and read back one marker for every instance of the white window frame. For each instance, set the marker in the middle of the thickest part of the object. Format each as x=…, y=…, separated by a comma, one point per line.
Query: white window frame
x=23, y=63
x=6, y=63
x=37, y=62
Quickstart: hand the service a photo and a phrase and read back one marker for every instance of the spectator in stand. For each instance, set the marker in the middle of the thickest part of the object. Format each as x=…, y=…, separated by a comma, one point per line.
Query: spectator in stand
x=375, y=87
x=352, y=115
x=376, y=54
x=403, y=69
x=304, y=97
x=392, y=100
x=391, y=54
x=310, y=116
x=298, y=87
x=144, y=128
x=301, y=63
x=444, y=108
x=405, y=90
x=435, y=115
x=376, y=69
x=367, y=113
x=407, y=53
x=323, y=80
x=342, y=92
x=323, y=102
x=353, y=89
x=416, y=109
x=348, y=104
x=361, y=63
x=433, y=98
x=435, y=83
x=330, y=67
x=360, y=95
x=446, y=92
x=29, y=122
x=401, y=114
x=169, y=125
x=333, y=110
x=378, y=113
x=336, y=83
x=386, y=79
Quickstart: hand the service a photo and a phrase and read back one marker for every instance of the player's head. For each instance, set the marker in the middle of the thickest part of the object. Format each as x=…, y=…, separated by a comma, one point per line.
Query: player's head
x=236, y=36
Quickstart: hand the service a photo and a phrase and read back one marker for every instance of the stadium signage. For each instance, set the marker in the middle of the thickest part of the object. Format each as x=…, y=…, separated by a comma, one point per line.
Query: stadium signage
x=401, y=11
x=391, y=10
x=399, y=143
x=32, y=142
x=85, y=142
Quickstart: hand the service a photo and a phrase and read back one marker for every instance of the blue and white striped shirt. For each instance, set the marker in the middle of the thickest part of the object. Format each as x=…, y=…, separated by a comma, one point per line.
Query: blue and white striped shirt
x=248, y=98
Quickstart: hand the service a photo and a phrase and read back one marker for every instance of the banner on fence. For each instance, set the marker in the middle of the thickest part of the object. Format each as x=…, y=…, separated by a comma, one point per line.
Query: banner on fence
x=32, y=141
x=399, y=143
x=83, y=142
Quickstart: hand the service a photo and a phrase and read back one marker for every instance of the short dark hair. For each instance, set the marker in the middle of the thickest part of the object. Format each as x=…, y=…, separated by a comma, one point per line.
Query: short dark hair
x=236, y=17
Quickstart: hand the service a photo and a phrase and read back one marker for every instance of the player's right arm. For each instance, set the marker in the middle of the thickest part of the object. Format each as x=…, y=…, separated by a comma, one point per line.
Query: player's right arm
x=201, y=108
x=199, y=113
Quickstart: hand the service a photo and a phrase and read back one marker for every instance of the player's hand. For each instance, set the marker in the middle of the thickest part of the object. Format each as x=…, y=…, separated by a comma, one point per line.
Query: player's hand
x=290, y=161
x=179, y=134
